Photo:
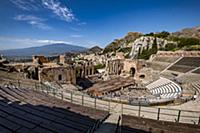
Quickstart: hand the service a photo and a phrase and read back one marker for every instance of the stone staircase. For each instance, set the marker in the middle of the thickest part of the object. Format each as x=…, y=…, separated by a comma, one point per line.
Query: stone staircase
x=110, y=124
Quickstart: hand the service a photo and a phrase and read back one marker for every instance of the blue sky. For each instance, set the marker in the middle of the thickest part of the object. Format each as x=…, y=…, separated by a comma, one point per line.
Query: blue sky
x=25, y=23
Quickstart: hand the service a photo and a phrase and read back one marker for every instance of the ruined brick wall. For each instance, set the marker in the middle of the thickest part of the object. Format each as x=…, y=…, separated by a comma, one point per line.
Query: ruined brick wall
x=61, y=59
x=59, y=74
x=39, y=59
x=120, y=66
x=84, y=70
x=115, y=67
x=128, y=64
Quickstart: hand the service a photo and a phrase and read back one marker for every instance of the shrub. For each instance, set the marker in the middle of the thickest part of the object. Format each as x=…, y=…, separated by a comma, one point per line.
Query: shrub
x=99, y=66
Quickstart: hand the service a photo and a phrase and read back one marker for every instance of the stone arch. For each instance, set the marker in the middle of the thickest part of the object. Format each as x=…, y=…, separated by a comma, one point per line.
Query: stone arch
x=81, y=72
x=59, y=77
x=87, y=72
x=91, y=71
x=142, y=76
x=78, y=72
x=132, y=71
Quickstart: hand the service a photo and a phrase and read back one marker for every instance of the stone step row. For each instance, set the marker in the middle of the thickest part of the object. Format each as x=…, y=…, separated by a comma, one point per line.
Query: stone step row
x=165, y=88
x=23, y=110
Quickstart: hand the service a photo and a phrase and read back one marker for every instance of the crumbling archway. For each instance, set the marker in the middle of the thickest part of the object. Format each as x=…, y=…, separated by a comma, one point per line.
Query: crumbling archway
x=59, y=77
x=132, y=71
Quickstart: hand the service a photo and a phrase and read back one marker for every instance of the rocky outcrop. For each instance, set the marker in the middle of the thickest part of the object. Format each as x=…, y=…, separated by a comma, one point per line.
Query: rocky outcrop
x=131, y=37
x=146, y=42
x=123, y=42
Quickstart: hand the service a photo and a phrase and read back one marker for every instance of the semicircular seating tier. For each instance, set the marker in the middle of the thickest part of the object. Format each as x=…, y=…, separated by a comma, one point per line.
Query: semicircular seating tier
x=194, y=87
x=165, y=88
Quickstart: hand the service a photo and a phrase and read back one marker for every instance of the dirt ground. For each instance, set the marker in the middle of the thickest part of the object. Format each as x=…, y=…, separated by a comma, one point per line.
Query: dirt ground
x=131, y=124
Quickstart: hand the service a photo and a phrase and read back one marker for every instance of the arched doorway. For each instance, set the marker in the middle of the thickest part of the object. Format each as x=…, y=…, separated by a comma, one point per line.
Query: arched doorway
x=59, y=77
x=91, y=71
x=80, y=73
x=142, y=76
x=132, y=71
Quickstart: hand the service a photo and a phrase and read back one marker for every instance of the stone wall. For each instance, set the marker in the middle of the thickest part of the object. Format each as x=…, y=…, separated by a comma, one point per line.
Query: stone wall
x=179, y=53
x=122, y=66
x=39, y=59
x=59, y=74
x=61, y=59
x=114, y=67
x=128, y=64
x=83, y=70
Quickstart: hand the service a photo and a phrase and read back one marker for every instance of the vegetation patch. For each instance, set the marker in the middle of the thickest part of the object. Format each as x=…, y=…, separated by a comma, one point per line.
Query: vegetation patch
x=146, y=53
x=100, y=66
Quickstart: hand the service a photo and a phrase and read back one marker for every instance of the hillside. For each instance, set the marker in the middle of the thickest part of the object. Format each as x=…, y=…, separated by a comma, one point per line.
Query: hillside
x=138, y=45
x=123, y=42
x=144, y=46
x=188, y=32
x=47, y=50
x=95, y=49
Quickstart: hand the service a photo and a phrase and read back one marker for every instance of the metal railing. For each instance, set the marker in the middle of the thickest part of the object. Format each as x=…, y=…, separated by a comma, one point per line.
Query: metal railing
x=118, y=130
x=72, y=97
x=165, y=114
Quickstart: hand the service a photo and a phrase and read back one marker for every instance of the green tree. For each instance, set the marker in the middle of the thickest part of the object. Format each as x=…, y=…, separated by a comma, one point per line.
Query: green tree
x=163, y=34
x=188, y=42
x=154, y=46
x=99, y=66
x=146, y=53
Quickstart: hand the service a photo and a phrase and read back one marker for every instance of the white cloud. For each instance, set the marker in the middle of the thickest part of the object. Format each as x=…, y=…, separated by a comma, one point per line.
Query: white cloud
x=33, y=20
x=60, y=10
x=27, y=18
x=55, y=6
x=32, y=41
x=82, y=23
x=51, y=41
x=76, y=36
x=27, y=5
